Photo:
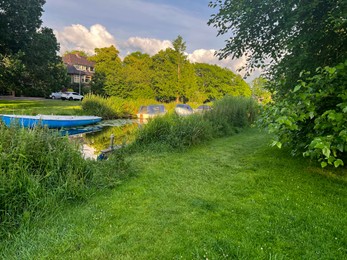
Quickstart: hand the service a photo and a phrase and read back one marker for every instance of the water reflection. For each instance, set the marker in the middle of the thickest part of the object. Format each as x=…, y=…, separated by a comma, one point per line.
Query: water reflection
x=96, y=138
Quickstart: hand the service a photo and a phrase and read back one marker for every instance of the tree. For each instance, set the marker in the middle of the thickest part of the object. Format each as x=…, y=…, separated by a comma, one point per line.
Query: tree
x=170, y=81
x=138, y=75
x=217, y=82
x=44, y=70
x=108, y=68
x=79, y=52
x=19, y=21
x=294, y=35
x=179, y=47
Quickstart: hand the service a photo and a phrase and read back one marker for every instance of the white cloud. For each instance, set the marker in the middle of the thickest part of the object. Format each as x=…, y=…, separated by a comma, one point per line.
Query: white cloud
x=208, y=56
x=147, y=45
x=79, y=37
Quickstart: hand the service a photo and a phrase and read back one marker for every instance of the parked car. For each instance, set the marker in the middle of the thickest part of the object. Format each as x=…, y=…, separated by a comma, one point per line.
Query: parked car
x=55, y=95
x=71, y=96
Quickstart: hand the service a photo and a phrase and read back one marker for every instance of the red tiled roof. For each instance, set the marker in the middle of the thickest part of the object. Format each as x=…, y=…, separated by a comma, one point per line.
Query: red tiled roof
x=75, y=59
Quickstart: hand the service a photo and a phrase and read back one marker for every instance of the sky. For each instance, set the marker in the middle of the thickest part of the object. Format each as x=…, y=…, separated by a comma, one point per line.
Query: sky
x=137, y=25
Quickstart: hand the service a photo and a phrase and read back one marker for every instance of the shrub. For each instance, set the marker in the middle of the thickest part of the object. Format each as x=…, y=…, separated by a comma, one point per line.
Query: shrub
x=312, y=119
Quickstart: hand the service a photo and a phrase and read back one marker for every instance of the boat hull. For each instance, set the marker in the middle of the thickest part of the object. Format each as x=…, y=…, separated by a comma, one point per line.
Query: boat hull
x=50, y=121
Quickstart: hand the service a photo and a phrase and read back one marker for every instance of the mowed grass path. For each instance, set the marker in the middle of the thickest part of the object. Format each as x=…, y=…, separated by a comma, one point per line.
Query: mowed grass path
x=234, y=198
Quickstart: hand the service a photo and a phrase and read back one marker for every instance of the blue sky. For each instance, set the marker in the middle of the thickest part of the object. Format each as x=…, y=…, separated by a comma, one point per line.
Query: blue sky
x=136, y=25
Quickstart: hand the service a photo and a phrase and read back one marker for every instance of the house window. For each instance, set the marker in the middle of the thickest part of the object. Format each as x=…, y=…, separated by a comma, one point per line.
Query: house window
x=76, y=78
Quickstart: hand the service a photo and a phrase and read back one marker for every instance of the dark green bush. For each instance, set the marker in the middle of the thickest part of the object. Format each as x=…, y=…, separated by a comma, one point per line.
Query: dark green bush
x=312, y=118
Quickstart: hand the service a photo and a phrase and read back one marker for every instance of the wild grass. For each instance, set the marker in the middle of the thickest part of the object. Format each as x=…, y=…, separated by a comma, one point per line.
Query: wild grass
x=40, y=170
x=235, y=198
x=113, y=107
x=36, y=166
x=229, y=115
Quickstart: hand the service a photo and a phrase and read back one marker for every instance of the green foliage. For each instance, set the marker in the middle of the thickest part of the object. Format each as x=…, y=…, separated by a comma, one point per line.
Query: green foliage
x=29, y=64
x=37, y=168
x=215, y=82
x=294, y=35
x=44, y=69
x=79, y=52
x=19, y=21
x=312, y=119
x=138, y=76
x=259, y=91
x=108, y=66
x=173, y=75
x=228, y=116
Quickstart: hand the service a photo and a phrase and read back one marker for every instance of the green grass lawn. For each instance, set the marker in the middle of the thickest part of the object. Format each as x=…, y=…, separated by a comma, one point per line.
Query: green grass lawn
x=44, y=106
x=234, y=198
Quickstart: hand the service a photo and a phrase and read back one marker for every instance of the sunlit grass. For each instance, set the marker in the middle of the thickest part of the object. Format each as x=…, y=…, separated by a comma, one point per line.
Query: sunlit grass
x=235, y=198
x=34, y=107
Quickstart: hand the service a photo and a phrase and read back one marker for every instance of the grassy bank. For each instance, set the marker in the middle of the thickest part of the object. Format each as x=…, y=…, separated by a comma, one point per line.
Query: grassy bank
x=235, y=198
x=44, y=106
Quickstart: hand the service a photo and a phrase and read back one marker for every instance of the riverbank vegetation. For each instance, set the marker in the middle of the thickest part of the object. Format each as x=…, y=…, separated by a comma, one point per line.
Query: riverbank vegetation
x=40, y=168
x=234, y=197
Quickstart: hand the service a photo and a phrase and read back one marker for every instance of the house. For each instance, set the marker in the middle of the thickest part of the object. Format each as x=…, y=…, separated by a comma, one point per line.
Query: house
x=79, y=68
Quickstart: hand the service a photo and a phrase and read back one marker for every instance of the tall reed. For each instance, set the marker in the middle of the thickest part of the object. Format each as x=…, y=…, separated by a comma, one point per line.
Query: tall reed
x=229, y=115
x=37, y=166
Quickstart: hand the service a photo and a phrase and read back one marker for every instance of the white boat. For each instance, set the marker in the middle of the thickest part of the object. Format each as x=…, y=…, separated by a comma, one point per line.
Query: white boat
x=183, y=110
x=151, y=111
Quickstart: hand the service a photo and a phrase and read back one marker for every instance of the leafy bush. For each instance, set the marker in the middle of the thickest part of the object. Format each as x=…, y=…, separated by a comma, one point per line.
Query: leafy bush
x=312, y=119
x=36, y=166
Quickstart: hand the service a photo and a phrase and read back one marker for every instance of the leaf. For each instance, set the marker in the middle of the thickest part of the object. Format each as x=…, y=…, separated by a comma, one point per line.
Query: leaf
x=297, y=87
x=338, y=162
x=326, y=152
x=276, y=143
x=323, y=164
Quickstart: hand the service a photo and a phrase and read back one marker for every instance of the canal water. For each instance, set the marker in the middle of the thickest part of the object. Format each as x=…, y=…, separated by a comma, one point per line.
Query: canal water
x=97, y=137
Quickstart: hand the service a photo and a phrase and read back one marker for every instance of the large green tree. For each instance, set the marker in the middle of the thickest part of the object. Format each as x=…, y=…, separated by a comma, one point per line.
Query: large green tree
x=170, y=81
x=216, y=82
x=138, y=75
x=174, y=76
x=44, y=70
x=19, y=21
x=108, y=71
x=294, y=35
x=29, y=63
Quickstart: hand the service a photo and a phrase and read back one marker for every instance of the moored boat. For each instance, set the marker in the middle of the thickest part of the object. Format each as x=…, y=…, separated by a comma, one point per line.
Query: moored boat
x=151, y=111
x=203, y=108
x=51, y=121
x=183, y=110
